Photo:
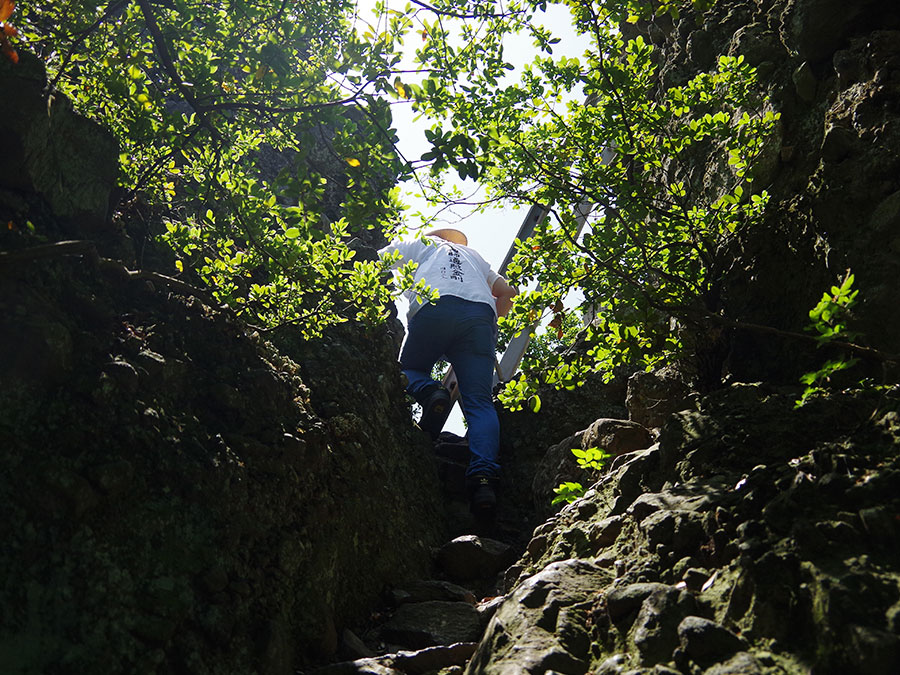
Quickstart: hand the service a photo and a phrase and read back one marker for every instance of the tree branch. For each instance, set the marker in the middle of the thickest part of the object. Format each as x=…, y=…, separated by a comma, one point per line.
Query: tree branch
x=265, y=108
x=88, y=249
x=168, y=64
x=869, y=352
x=459, y=15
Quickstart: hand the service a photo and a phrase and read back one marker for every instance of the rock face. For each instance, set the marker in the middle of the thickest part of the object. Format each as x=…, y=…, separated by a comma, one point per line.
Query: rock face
x=731, y=546
x=52, y=153
x=541, y=626
x=616, y=437
x=830, y=68
x=526, y=436
x=169, y=477
x=175, y=498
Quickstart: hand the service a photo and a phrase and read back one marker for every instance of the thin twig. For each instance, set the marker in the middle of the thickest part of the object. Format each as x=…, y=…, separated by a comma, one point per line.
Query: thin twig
x=459, y=15
x=113, y=8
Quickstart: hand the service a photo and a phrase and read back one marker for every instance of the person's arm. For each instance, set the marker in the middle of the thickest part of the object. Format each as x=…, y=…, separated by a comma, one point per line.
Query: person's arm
x=503, y=294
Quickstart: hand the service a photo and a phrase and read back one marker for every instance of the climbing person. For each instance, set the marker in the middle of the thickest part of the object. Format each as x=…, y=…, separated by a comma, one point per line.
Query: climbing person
x=461, y=326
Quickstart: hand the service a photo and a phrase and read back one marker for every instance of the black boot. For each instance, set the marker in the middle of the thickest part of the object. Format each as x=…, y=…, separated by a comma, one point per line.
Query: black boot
x=435, y=410
x=482, y=495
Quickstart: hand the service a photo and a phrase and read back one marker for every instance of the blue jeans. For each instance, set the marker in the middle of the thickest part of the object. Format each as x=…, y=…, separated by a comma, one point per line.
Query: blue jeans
x=466, y=333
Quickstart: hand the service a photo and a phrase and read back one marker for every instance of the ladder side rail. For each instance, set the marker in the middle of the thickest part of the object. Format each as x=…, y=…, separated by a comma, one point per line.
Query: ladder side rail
x=515, y=350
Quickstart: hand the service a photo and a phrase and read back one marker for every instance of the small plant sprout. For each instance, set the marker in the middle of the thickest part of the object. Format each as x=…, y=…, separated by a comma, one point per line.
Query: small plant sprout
x=589, y=459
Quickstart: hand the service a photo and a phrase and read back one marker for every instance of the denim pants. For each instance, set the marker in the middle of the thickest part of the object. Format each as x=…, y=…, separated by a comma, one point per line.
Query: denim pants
x=466, y=333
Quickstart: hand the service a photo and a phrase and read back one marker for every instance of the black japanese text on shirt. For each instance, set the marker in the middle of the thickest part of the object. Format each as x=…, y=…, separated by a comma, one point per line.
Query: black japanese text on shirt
x=454, y=269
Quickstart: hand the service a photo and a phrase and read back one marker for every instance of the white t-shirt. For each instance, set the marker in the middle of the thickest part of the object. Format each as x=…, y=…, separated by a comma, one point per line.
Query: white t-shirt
x=451, y=269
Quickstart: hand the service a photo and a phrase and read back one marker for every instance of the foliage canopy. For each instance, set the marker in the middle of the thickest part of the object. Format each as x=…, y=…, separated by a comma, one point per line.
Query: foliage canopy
x=258, y=131
x=261, y=133
x=600, y=133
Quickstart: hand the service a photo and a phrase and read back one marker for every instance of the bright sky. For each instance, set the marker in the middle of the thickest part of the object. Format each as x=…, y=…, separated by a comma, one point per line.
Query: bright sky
x=491, y=232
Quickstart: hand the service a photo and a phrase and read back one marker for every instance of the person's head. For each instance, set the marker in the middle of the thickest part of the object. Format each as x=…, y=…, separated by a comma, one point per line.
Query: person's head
x=449, y=234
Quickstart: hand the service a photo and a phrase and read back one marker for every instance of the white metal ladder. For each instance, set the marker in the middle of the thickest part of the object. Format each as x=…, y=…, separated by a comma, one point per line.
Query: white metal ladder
x=506, y=368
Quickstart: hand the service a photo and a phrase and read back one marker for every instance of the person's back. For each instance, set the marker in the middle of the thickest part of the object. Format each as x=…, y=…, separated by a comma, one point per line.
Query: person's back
x=451, y=268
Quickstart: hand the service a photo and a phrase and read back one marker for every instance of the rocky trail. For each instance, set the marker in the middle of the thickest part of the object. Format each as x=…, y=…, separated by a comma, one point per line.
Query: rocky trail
x=723, y=547
x=434, y=625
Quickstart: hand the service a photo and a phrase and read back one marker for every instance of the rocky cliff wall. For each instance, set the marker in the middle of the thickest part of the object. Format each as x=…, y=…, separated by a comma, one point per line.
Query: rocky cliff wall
x=753, y=537
x=175, y=498
x=829, y=69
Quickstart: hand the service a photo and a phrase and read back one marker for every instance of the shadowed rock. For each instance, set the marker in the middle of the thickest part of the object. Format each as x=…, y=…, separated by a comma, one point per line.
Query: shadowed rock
x=435, y=622
x=470, y=557
x=706, y=642
x=540, y=626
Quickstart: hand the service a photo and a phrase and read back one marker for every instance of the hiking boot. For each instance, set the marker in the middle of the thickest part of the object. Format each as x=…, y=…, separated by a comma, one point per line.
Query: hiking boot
x=483, y=499
x=435, y=410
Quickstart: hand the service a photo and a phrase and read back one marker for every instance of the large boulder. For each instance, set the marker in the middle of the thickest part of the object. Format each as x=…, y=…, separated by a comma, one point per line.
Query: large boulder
x=49, y=150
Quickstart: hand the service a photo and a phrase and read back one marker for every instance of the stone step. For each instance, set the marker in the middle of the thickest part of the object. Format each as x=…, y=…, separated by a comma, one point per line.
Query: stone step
x=430, y=659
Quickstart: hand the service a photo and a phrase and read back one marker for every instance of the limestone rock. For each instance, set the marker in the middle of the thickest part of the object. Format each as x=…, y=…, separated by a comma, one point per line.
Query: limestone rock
x=488, y=607
x=168, y=446
x=429, y=660
x=820, y=26
x=471, y=557
x=706, y=642
x=435, y=622
x=740, y=664
x=540, y=626
x=805, y=82
x=431, y=589
x=559, y=465
x=351, y=644
x=526, y=436
x=617, y=437
x=623, y=602
x=654, y=633
x=48, y=149
x=679, y=531
x=653, y=397
x=606, y=531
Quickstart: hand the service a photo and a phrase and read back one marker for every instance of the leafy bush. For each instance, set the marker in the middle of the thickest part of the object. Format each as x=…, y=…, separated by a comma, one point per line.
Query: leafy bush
x=829, y=319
